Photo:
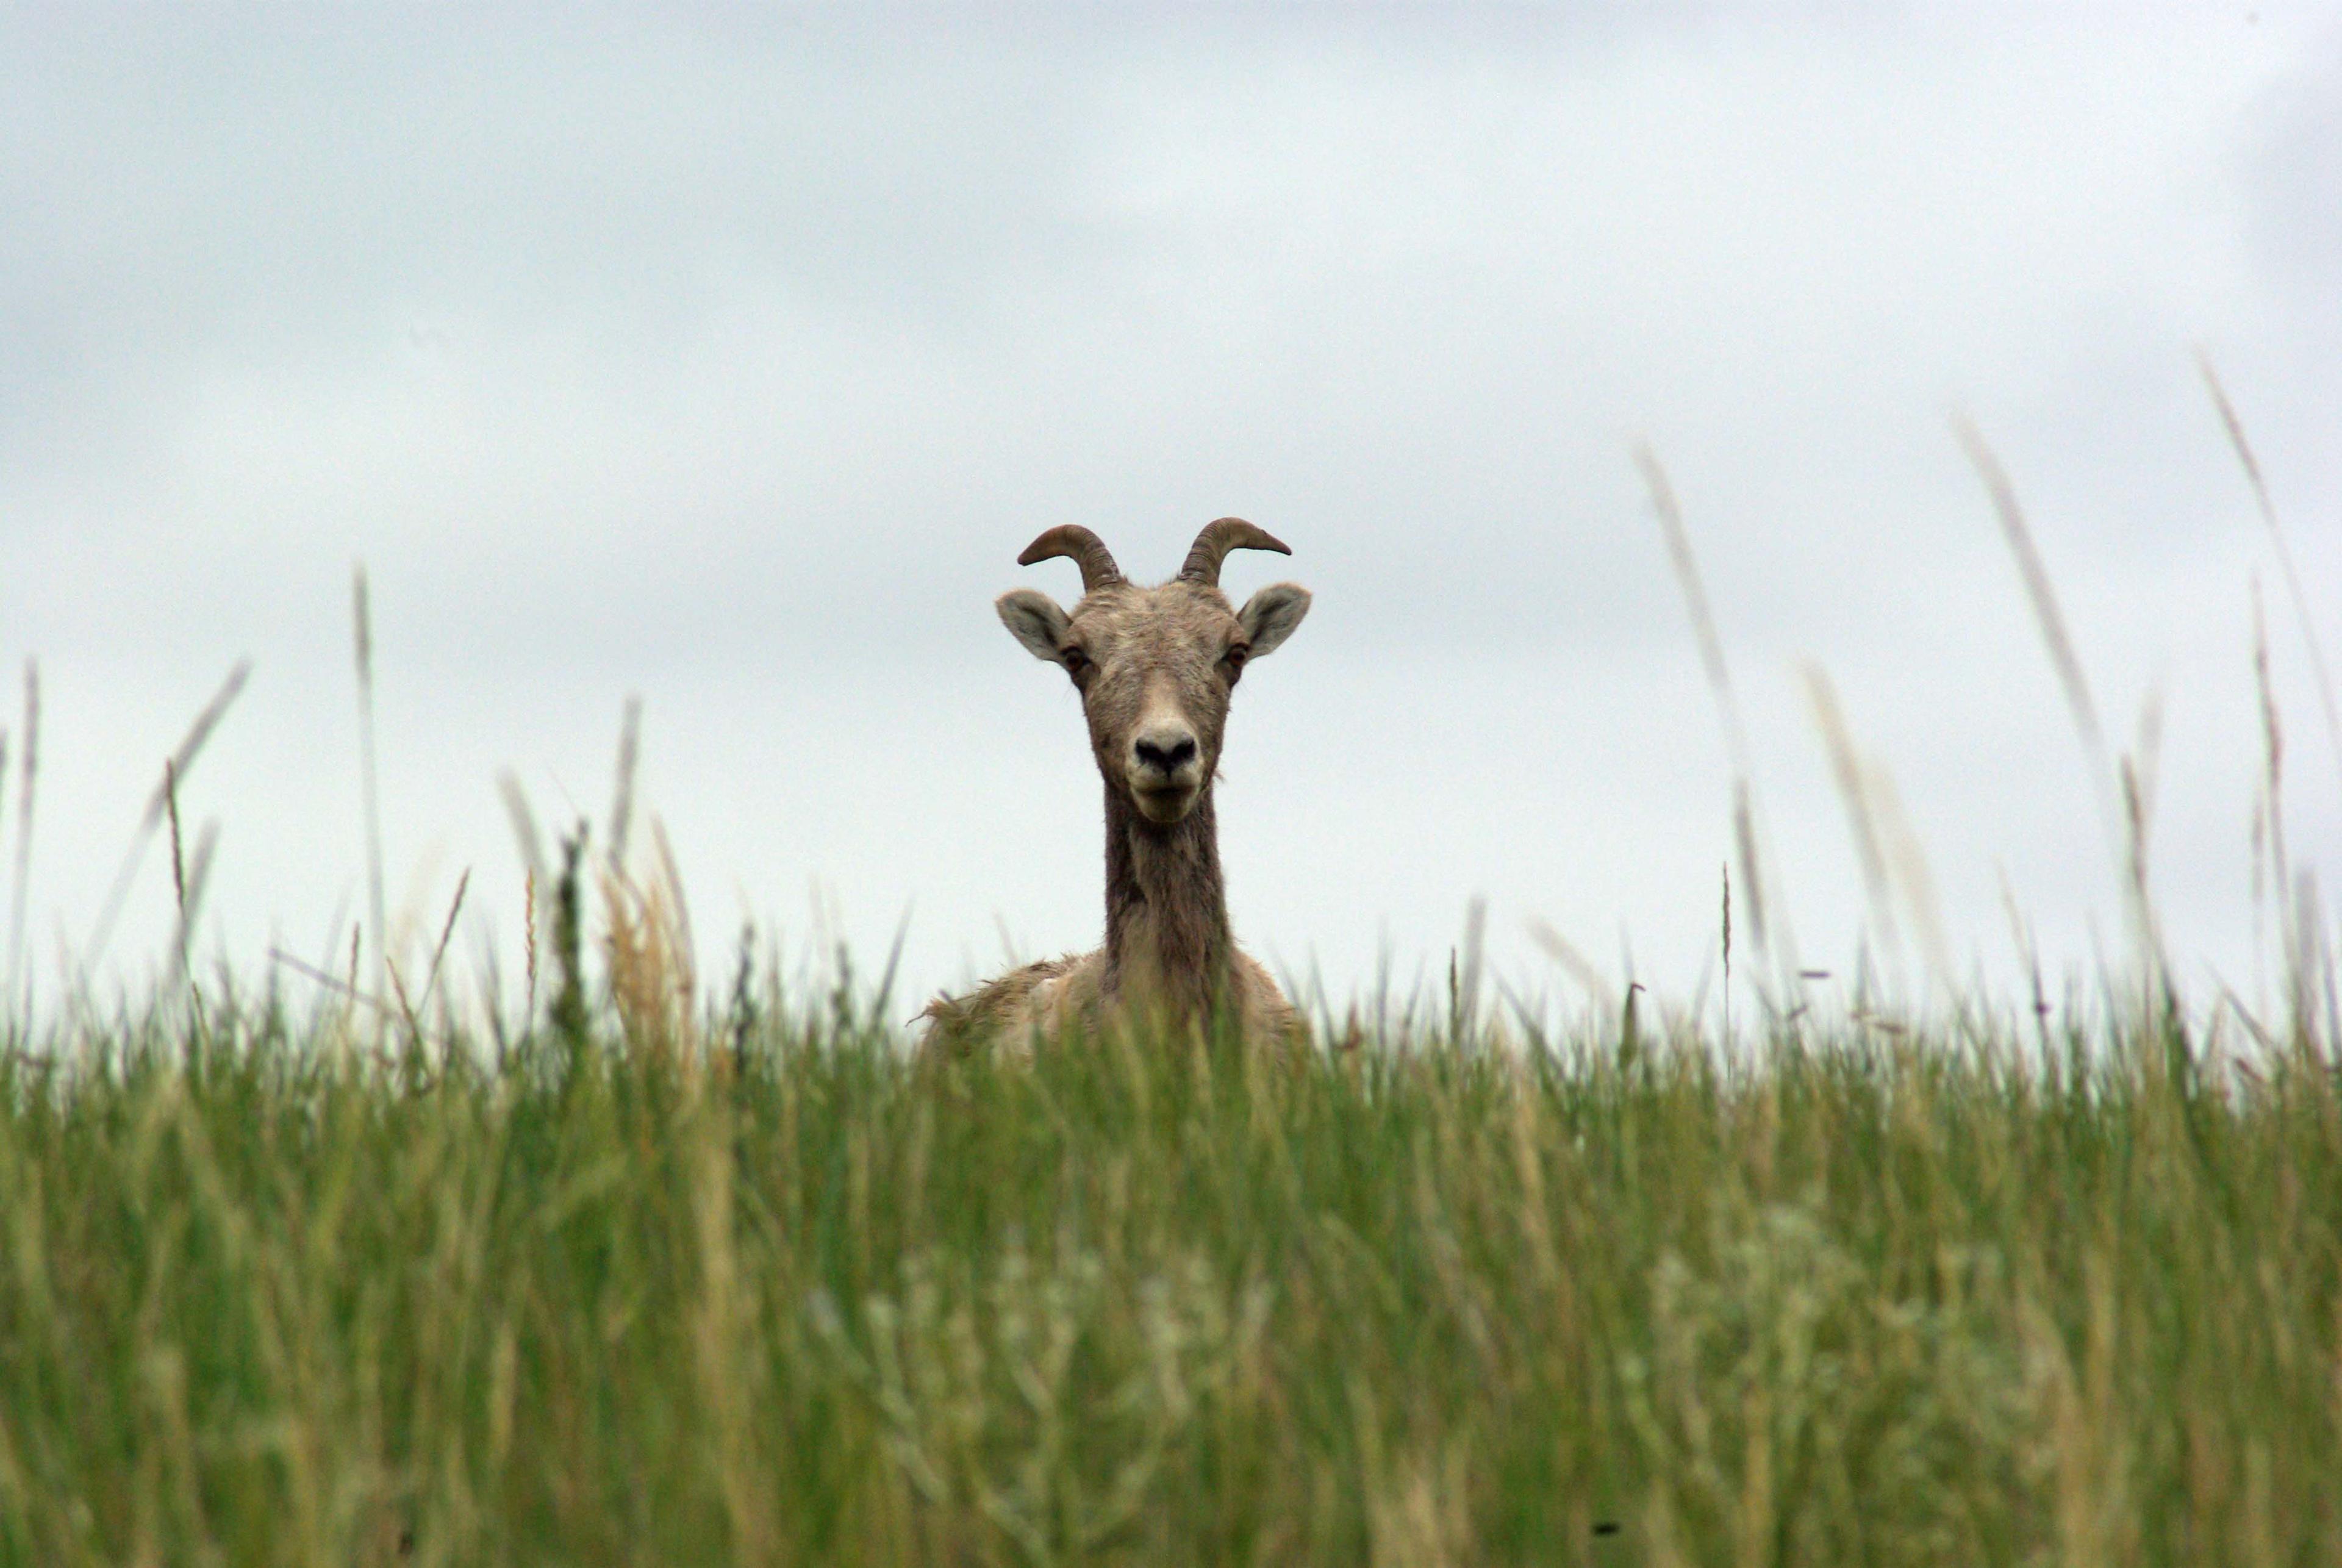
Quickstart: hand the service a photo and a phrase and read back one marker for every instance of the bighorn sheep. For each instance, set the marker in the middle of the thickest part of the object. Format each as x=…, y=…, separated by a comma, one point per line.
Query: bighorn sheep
x=1155, y=667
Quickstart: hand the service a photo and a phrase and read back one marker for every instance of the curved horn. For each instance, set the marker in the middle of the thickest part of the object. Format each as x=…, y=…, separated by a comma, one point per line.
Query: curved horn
x=1220, y=537
x=1088, y=551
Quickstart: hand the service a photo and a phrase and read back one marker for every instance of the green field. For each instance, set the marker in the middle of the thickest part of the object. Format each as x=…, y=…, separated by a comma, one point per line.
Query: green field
x=772, y=1291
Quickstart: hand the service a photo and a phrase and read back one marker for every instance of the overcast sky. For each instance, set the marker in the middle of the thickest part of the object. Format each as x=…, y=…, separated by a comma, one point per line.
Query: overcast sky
x=730, y=361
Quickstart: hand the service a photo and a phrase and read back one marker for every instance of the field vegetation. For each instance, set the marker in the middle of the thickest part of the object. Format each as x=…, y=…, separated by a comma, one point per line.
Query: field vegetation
x=764, y=1287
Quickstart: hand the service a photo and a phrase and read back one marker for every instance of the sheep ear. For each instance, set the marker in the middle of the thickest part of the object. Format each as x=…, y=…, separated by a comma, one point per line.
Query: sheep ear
x=1034, y=620
x=1270, y=615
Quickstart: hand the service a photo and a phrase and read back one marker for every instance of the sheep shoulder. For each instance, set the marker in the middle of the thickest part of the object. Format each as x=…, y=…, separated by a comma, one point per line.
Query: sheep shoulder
x=1268, y=1019
x=1037, y=998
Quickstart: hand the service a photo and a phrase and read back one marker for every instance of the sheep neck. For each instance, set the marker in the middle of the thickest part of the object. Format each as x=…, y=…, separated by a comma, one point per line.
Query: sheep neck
x=1167, y=942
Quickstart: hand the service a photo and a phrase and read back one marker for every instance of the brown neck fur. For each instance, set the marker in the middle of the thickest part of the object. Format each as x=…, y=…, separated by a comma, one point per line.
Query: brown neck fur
x=1166, y=913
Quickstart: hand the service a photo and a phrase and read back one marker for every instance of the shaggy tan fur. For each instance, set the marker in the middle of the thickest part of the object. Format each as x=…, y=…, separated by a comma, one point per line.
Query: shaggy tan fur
x=1051, y=995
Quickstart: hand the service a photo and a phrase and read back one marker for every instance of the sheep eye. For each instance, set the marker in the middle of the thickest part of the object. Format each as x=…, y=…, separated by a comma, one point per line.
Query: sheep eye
x=1075, y=660
x=1235, y=658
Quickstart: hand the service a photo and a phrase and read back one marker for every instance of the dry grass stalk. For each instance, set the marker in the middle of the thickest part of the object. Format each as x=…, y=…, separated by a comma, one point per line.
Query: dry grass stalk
x=646, y=942
x=178, y=862
x=29, y=769
x=189, y=874
x=406, y=1011
x=672, y=878
x=158, y=804
x=528, y=905
x=1576, y=965
x=2138, y=793
x=1703, y=618
x=332, y=982
x=2037, y=592
x=2123, y=804
x=1755, y=866
x=350, y=989
x=647, y=959
x=537, y=885
x=2138, y=774
x=1907, y=862
x=1743, y=839
x=2244, y=450
x=621, y=799
x=2269, y=814
x=1845, y=770
x=362, y=628
x=2310, y=967
x=446, y=932
x=1464, y=975
x=1893, y=863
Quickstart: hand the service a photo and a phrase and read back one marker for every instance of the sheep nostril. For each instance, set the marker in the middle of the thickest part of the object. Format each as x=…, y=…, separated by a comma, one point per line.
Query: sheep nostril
x=1163, y=758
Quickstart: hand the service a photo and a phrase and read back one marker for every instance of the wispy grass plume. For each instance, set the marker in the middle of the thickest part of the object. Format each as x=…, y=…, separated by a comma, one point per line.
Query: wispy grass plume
x=2235, y=427
x=2043, y=597
x=2121, y=804
x=621, y=793
x=1886, y=847
x=1847, y=773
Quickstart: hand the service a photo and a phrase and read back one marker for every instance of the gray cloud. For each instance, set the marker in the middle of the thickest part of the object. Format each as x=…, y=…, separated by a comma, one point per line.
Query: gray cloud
x=733, y=361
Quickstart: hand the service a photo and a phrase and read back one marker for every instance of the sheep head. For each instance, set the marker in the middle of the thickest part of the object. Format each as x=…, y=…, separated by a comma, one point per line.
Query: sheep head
x=1154, y=666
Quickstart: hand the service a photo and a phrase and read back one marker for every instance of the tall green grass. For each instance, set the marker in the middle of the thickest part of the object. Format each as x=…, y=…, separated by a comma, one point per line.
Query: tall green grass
x=790, y=1295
